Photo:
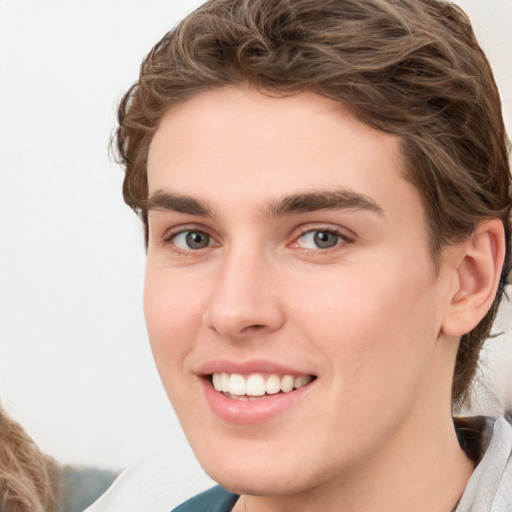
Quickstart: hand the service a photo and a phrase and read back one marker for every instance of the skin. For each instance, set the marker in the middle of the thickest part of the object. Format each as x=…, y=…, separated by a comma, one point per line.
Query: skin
x=368, y=317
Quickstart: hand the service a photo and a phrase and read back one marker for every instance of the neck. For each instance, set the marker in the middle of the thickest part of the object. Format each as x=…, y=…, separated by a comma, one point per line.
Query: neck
x=428, y=475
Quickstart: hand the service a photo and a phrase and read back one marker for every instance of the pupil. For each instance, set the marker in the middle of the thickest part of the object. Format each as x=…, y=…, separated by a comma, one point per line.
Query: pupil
x=325, y=240
x=197, y=240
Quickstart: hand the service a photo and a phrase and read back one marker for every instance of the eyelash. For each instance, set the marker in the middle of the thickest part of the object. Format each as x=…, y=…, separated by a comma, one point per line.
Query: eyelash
x=342, y=239
x=170, y=237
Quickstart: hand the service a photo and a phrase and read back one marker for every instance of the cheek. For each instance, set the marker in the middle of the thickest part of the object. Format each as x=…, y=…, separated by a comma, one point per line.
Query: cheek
x=373, y=322
x=172, y=317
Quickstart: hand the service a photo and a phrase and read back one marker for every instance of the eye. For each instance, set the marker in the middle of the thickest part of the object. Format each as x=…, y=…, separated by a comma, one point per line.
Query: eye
x=192, y=240
x=320, y=239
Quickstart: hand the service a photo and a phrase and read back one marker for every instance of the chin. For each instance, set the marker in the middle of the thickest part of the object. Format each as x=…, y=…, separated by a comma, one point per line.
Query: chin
x=256, y=484
x=258, y=478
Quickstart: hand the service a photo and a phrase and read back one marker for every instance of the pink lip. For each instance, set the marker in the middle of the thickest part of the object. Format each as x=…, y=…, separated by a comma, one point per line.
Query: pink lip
x=250, y=412
x=254, y=411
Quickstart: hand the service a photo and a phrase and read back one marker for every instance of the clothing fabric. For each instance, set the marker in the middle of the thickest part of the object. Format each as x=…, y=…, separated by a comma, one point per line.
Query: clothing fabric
x=488, y=490
x=490, y=487
x=216, y=499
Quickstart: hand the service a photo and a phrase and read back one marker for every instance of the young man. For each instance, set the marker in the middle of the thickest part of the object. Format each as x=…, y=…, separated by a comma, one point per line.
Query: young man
x=326, y=198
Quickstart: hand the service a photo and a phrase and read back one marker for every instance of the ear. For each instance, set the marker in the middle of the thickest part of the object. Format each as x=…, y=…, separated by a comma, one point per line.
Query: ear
x=478, y=264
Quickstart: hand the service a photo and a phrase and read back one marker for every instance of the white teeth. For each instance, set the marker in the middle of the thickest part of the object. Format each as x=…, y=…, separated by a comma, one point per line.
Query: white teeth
x=216, y=381
x=287, y=383
x=256, y=385
x=224, y=383
x=273, y=385
x=301, y=381
x=236, y=384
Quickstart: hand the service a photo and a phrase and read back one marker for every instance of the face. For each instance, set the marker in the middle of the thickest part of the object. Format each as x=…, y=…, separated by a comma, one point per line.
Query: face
x=291, y=300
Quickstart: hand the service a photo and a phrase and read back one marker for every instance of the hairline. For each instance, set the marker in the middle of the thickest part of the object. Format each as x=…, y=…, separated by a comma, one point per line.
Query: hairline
x=404, y=162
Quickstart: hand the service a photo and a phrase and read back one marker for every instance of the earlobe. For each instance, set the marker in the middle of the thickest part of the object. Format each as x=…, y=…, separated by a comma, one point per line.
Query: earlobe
x=478, y=274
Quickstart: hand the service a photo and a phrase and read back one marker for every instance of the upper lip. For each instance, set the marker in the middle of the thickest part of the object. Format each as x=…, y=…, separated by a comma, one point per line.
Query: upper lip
x=248, y=367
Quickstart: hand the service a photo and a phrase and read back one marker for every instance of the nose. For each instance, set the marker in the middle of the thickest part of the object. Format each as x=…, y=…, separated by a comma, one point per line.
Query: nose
x=244, y=300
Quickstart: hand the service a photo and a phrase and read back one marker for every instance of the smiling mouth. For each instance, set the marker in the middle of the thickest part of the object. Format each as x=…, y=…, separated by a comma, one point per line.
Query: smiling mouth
x=256, y=386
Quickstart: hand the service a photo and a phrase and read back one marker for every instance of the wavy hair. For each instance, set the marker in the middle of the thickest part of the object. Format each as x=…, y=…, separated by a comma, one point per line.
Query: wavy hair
x=27, y=477
x=412, y=68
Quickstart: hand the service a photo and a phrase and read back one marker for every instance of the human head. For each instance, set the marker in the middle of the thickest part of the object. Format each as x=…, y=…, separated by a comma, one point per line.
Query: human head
x=28, y=479
x=407, y=67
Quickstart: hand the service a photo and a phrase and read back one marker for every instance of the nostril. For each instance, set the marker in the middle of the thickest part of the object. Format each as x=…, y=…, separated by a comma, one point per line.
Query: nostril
x=255, y=327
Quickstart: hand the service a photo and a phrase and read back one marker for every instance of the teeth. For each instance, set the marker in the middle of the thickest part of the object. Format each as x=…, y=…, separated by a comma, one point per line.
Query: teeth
x=224, y=382
x=237, y=385
x=287, y=383
x=301, y=381
x=216, y=381
x=256, y=384
x=273, y=385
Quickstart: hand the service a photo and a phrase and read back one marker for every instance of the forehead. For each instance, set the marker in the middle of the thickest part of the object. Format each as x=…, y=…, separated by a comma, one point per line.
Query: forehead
x=237, y=142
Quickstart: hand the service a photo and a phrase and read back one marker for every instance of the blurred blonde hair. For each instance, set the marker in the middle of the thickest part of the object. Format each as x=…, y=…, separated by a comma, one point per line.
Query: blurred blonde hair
x=27, y=477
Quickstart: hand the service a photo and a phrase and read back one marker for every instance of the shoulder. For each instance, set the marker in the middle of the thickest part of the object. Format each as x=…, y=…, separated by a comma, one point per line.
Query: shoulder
x=215, y=499
x=490, y=487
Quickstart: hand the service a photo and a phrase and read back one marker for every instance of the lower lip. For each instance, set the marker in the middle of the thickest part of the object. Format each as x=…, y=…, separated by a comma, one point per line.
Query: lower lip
x=248, y=412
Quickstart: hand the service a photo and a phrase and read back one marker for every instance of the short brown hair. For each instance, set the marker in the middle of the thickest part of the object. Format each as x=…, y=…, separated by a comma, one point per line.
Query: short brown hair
x=412, y=68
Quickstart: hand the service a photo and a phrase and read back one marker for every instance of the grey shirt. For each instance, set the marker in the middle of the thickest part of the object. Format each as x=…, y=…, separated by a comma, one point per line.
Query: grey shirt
x=490, y=487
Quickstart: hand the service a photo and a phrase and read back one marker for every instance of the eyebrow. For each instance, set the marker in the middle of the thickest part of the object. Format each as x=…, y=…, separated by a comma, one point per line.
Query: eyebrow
x=292, y=204
x=322, y=200
x=162, y=200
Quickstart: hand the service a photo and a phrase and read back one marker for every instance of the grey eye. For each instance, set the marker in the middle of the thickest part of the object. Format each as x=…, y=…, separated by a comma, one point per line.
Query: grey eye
x=325, y=239
x=197, y=240
x=192, y=240
x=318, y=239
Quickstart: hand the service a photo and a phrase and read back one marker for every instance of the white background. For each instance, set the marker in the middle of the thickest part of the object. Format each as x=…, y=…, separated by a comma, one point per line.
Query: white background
x=75, y=364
